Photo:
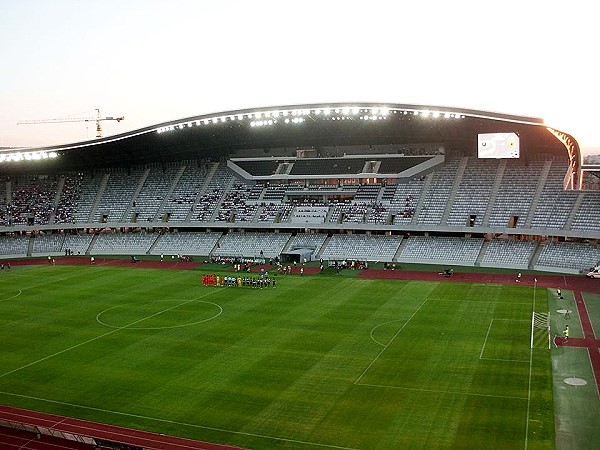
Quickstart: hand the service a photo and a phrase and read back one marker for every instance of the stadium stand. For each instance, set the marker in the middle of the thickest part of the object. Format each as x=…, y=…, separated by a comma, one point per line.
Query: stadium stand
x=436, y=197
x=312, y=241
x=48, y=244
x=251, y=245
x=361, y=247
x=509, y=253
x=77, y=244
x=14, y=246
x=229, y=202
x=186, y=243
x=441, y=250
x=569, y=257
x=123, y=243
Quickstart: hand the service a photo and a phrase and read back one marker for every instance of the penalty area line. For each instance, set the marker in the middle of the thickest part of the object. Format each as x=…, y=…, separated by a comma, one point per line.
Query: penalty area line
x=391, y=340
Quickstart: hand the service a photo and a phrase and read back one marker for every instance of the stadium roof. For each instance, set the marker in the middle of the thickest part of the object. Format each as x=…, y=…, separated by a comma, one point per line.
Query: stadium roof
x=302, y=126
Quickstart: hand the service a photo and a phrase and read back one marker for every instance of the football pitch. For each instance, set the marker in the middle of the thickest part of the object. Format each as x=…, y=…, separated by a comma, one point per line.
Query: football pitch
x=319, y=362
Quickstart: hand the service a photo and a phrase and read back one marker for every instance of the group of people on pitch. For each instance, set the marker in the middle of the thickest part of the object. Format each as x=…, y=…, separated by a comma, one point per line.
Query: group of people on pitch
x=256, y=282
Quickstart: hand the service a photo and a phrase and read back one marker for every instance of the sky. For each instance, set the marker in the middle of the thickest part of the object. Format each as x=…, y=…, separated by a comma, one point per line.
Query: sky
x=155, y=61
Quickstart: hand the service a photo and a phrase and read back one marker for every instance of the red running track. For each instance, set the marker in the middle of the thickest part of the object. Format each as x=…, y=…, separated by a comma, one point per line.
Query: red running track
x=168, y=263
x=86, y=429
x=570, y=282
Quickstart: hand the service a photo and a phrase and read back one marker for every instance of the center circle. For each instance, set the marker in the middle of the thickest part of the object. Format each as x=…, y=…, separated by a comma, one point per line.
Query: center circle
x=159, y=314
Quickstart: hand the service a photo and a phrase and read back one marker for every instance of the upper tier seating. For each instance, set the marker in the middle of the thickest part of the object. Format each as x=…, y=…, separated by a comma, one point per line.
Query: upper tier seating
x=473, y=193
x=32, y=200
x=117, y=195
x=209, y=201
x=555, y=204
x=152, y=193
x=516, y=192
x=436, y=198
x=196, y=192
x=233, y=206
x=69, y=199
x=587, y=216
x=180, y=202
x=90, y=185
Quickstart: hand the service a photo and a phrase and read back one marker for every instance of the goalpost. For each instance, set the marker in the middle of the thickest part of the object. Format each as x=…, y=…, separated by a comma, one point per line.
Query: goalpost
x=540, y=326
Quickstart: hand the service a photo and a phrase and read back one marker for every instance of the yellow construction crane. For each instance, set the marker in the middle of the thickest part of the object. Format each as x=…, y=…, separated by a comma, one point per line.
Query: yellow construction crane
x=97, y=119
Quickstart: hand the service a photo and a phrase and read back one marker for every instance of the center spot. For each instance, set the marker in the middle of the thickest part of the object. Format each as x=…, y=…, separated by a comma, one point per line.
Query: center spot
x=159, y=314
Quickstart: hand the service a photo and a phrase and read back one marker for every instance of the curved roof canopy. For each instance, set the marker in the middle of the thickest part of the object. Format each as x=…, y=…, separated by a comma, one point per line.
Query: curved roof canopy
x=307, y=126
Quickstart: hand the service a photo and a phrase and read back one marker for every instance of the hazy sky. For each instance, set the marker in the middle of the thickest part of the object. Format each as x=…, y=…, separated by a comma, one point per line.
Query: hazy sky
x=154, y=61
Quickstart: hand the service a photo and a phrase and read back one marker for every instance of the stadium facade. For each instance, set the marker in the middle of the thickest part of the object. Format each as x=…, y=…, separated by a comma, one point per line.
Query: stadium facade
x=404, y=183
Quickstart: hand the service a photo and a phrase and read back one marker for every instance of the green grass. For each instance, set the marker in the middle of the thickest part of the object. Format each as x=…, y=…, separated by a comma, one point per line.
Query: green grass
x=318, y=362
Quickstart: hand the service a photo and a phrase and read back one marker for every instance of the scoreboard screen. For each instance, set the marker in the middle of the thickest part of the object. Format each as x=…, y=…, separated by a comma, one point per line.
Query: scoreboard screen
x=497, y=145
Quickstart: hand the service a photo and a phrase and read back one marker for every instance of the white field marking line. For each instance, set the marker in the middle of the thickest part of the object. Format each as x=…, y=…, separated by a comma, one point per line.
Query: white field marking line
x=10, y=298
x=529, y=384
x=481, y=302
x=440, y=391
x=512, y=320
x=159, y=328
x=505, y=360
x=108, y=333
x=592, y=366
x=380, y=325
x=589, y=349
x=191, y=425
x=486, y=338
x=487, y=335
x=585, y=306
x=391, y=340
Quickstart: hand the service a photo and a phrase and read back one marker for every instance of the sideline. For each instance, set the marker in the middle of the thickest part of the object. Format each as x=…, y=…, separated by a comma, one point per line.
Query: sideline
x=173, y=422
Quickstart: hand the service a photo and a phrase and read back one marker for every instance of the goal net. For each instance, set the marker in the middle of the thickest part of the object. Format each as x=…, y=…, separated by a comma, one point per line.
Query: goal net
x=540, y=330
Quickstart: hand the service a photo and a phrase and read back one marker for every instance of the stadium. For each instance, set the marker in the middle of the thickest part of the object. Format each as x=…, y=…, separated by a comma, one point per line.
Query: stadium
x=427, y=259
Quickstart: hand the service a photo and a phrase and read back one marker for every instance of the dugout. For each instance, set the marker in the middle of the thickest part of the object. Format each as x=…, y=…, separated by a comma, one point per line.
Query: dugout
x=297, y=255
